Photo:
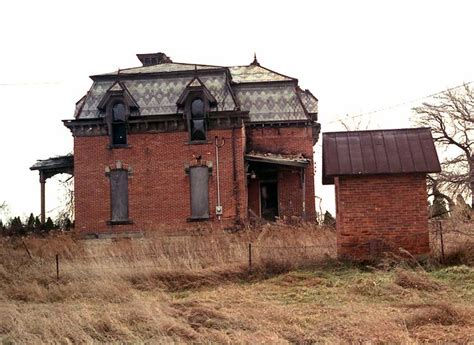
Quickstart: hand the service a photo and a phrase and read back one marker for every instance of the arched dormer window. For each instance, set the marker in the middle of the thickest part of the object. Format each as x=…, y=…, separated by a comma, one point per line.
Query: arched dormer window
x=196, y=101
x=198, y=120
x=117, y=105
x=118, y=125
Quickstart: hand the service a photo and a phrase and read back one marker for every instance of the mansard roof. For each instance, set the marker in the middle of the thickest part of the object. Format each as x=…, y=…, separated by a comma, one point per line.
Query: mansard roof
x=269, y=96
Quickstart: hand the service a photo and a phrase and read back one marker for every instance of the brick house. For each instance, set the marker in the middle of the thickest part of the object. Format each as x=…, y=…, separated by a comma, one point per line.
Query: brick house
x=381, y=196
x=175, y=143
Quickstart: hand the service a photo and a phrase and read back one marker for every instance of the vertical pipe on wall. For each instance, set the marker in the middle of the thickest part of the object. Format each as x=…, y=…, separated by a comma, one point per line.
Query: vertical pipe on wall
x=234, y=173
x=303, y=186
x=219, y=206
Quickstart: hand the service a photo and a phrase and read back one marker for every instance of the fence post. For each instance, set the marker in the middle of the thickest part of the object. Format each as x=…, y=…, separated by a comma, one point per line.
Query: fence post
x=440, y=227
x=250, y=257
x=57, y=266
x=27, y=251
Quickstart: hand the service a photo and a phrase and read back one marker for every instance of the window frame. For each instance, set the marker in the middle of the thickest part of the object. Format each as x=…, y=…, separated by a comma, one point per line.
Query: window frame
x=126, y=219
x=111, y=122
x=207, y=216
x=189, y=116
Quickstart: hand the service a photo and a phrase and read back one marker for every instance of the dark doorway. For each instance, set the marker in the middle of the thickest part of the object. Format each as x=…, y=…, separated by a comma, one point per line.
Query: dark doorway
x=269, y=200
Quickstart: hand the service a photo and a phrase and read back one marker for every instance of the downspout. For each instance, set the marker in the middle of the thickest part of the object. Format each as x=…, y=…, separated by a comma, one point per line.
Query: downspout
x=218, y=206
x=303, y=186
x=234, y=172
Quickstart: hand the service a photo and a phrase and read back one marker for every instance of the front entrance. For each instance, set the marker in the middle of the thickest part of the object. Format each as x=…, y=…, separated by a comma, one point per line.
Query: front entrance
x=269, y=200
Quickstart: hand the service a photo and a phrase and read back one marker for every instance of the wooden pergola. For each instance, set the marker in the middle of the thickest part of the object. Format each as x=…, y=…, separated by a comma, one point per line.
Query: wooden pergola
x=48, y=168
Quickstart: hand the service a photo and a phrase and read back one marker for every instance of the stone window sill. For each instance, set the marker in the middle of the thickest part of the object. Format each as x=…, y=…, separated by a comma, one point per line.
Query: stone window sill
x=119, y=222
x=125, y=146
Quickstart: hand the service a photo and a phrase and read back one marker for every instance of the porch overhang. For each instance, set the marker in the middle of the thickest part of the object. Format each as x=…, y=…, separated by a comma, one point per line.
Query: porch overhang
x=48, y=168
x=278, y=159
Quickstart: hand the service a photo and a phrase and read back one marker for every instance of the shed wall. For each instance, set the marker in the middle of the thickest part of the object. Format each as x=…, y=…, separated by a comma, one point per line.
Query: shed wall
x=378, y=213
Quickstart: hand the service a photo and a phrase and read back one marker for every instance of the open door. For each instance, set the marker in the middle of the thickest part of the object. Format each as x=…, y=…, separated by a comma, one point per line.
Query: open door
x=269, y=200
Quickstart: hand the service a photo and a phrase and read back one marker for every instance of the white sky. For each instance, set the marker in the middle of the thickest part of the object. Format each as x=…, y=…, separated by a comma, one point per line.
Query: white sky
x=355, y=56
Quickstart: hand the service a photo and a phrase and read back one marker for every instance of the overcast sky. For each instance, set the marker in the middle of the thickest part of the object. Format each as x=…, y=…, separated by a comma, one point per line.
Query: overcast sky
x=355, y=56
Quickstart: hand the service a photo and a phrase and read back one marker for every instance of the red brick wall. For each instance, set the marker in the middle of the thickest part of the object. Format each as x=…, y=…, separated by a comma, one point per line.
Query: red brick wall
x=158, y=186
x=288, y=140
x=381, y=213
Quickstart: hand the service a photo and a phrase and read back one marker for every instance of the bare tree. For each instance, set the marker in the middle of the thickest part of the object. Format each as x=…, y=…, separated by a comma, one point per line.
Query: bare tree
x=66, y=214
x=355, y=123
x=451, y=118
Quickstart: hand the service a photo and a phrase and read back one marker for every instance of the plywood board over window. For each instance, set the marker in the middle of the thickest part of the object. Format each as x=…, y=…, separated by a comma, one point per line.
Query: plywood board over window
x=119, y=195
x=199, y=182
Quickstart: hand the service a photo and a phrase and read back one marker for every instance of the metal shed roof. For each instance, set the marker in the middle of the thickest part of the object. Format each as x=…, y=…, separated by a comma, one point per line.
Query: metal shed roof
x=392, y=151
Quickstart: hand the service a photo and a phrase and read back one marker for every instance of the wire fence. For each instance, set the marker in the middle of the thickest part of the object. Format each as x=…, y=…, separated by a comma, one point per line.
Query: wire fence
x=178, y=252
x=201, y=251
x=446, y=238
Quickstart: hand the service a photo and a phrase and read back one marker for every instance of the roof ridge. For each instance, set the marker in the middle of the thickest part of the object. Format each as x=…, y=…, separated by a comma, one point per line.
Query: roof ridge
x=379, y=130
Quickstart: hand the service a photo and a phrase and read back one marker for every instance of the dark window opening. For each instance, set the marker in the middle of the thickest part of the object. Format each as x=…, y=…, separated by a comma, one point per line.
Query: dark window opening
x=119, y=195
x=119, y=134
x=199, y=182
x=118, y=112
x=198, y=121
x=119, y=128
x=269, y=200
x=197, y=109
x=198, y=130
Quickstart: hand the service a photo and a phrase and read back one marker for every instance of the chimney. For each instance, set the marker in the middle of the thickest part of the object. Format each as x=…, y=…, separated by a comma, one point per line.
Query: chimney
x=153, y=59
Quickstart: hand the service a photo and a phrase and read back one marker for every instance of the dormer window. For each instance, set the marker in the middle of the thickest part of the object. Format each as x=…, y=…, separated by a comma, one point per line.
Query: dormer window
x=117, y=105
x=119, y=126
x=195, y=102
x=198, y=120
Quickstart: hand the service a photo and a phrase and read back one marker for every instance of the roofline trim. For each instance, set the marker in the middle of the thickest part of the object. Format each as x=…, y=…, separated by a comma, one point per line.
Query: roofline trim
x=379, y=130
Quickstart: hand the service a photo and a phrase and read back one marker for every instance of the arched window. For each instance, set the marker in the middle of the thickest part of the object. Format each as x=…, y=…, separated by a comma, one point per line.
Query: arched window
x=198, y=123
x=118, y=112
x=197, y=108
x=119, y=129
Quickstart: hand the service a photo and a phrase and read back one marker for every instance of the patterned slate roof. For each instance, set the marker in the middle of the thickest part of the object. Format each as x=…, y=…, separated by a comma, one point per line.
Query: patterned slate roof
x=158, y=96
x=309, y=101
x=275, y=102
x=267, y=95
x=162, y=68
x=255, y=73
x=394, y=151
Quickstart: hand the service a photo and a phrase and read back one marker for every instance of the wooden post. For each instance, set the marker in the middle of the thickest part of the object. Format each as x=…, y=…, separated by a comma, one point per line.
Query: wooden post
x=250, y=257
x=57, y=266
x=26, y=248
x=43, y=191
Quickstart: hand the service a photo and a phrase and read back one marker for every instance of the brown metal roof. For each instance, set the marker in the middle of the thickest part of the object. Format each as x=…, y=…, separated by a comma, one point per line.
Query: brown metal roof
x=392, y=151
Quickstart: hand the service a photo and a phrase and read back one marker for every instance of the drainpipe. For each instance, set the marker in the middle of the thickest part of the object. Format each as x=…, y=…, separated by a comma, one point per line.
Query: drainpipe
x=236, y=184
x=303, y=186
x=219, y=206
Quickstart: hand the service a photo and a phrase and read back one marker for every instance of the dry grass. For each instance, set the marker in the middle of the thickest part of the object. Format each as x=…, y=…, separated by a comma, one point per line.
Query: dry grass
x=198, y=289
x=458, y=238
x=415, y=280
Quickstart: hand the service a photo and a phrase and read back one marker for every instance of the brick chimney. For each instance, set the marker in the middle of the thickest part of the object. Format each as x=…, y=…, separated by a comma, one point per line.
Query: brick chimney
x=153, y=59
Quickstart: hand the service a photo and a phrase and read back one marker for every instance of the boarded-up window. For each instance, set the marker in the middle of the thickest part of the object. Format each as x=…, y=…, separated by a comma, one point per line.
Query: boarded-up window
x=199, y=179
x=119, y=195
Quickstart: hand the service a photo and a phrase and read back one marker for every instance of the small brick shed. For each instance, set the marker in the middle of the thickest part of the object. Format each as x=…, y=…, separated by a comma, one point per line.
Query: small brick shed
x=380, y=182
